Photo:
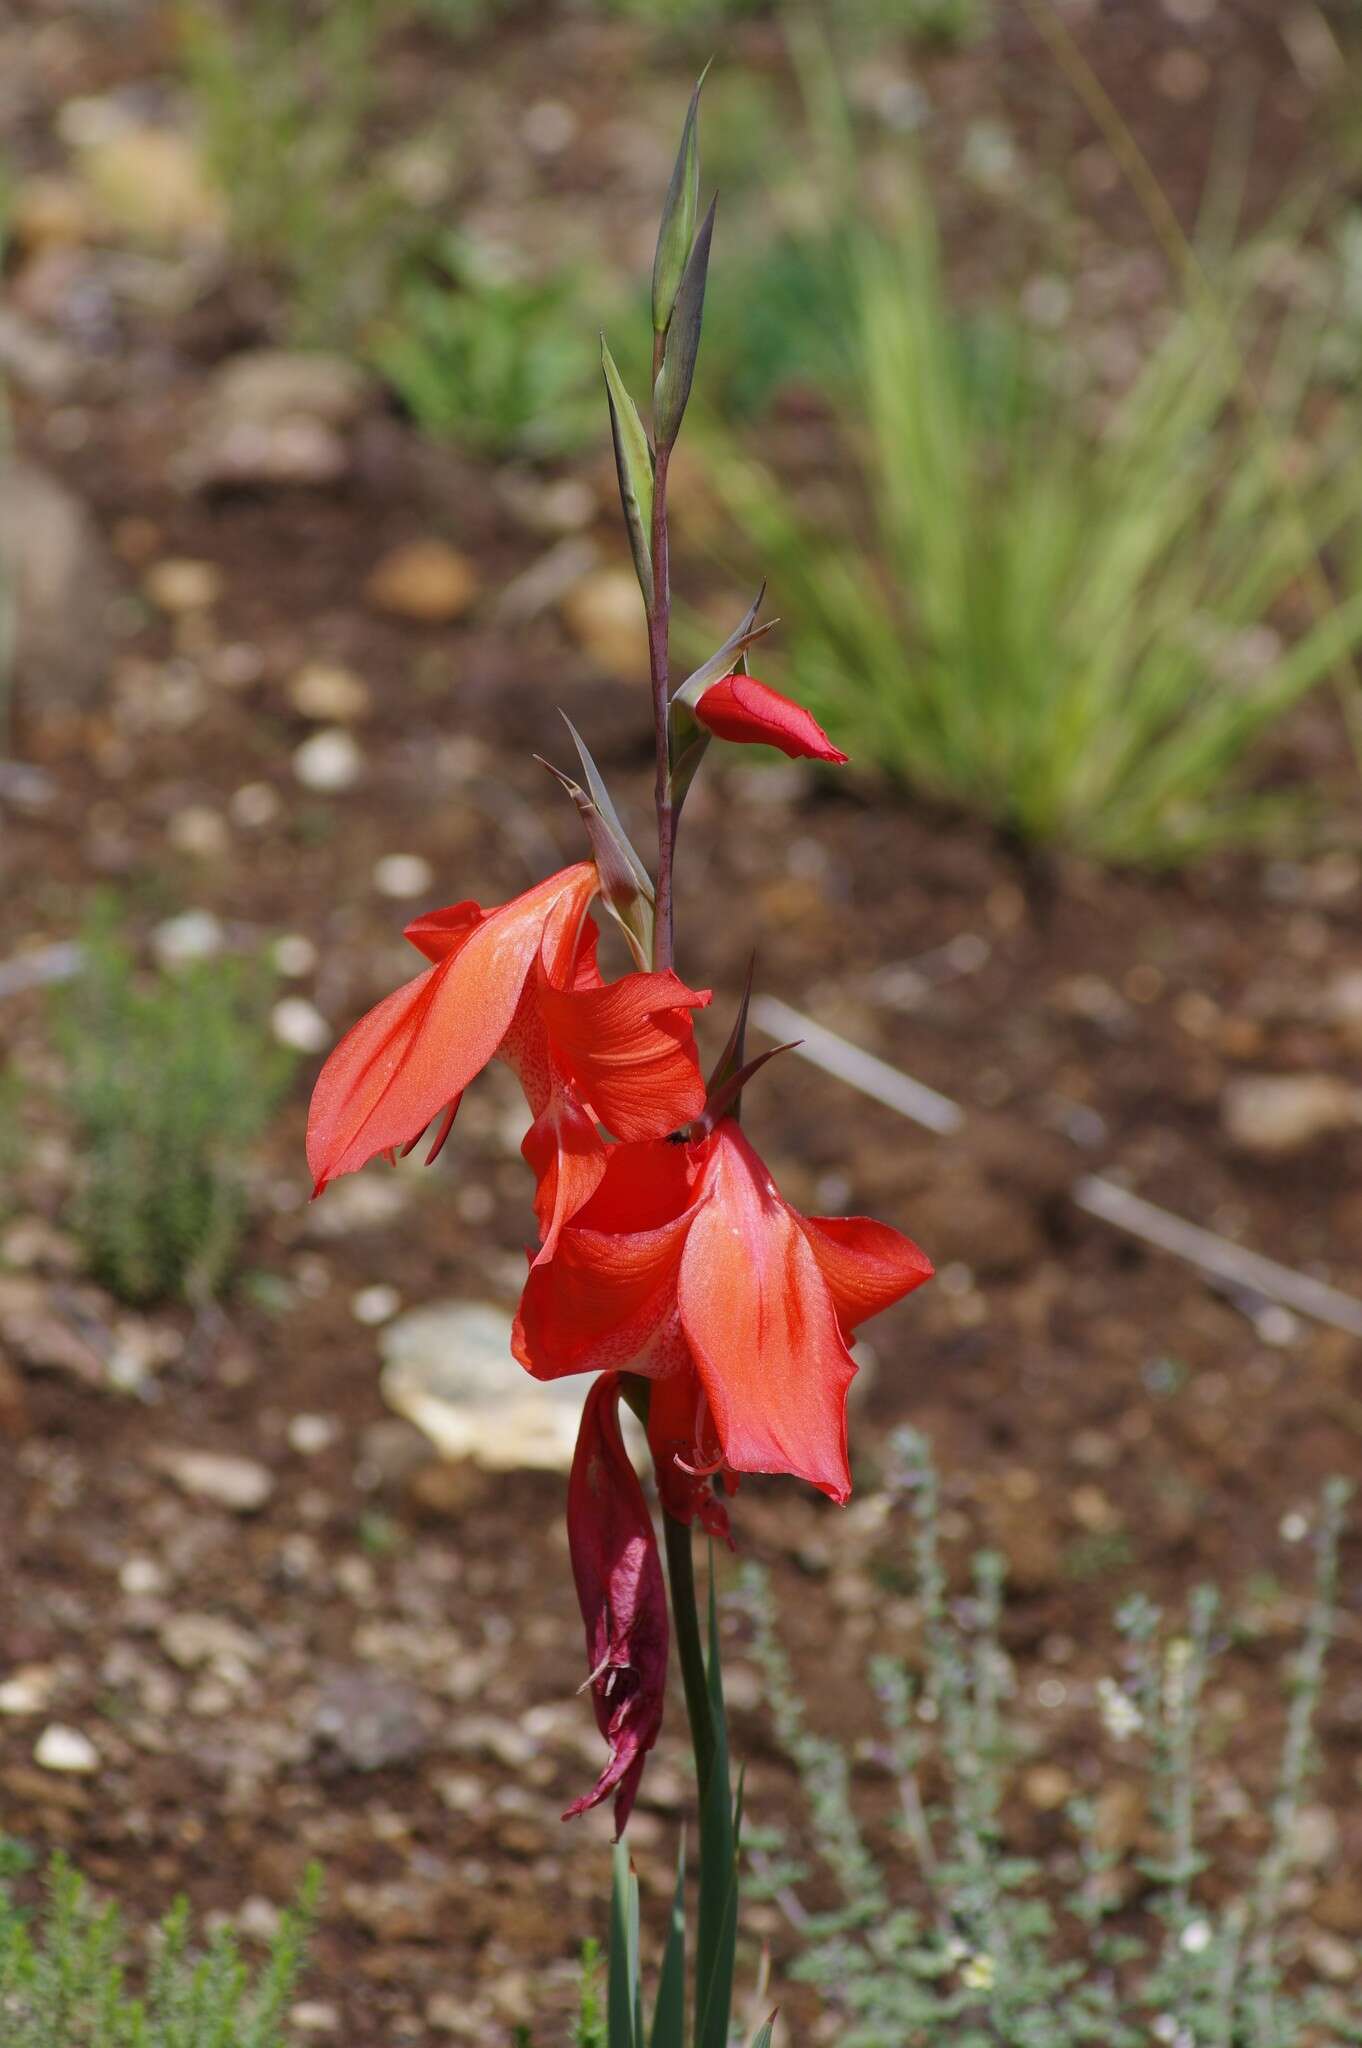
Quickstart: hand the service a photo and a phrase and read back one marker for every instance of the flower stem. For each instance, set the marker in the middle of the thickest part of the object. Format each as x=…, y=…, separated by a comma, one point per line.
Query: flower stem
x=659, y=632
x=689, y=1649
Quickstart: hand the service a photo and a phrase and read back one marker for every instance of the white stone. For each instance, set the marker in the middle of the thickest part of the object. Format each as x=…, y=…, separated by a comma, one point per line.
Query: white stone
x=376, y=1304
x=141, y=1577
x=255, y=804
x=329, y=762
x=329, y=693
x=449, y=1369
x=294, y=955
x=403, y=875
x=199, y=831
x=309, y=1434
x=178, y=584
x=28, y=1690
x=314, y=2016
x=298, y=1024
x=193, y=935
x=221, y=1477
x=59, y=1748
x=1275, y=1114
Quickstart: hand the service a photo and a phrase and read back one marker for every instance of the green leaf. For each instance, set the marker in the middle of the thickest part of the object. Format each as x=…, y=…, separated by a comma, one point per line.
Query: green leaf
x=669, y=2014
x=672, y=388
x=634, y=467
x=762, y=2037
x=623, y=1980
x=679, y=210
x=717, y=1933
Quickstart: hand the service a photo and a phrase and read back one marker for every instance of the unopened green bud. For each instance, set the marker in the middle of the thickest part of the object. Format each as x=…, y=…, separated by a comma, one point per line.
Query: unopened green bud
x=672, y=388
x=680, y=210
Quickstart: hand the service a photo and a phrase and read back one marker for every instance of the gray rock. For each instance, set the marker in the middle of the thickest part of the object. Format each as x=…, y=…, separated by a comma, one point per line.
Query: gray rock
x=275, y=417
x=58, y=591
x=371, y=1721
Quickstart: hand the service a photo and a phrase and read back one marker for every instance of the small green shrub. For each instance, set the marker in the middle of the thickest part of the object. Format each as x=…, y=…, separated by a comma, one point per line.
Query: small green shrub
x=946, y=24
x=1082, y=633
x=169, y=1079
x=1104, y=1946
x=63, y=1976
x=500, y=365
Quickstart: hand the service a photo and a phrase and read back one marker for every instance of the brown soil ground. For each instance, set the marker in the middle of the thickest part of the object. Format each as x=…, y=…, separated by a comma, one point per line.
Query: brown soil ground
x=1098, y=1412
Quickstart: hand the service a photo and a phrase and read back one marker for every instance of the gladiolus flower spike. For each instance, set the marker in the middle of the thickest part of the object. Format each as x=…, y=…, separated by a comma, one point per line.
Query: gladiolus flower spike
x=668, y=1264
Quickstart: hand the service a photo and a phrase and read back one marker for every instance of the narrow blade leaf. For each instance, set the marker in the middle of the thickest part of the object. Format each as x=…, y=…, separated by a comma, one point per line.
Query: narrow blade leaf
x=717, y=1932
x=669, y=2014
x=672, y=389
x=679, y=211
x=762, y=2037
x=623, y=1980
x=634, y=467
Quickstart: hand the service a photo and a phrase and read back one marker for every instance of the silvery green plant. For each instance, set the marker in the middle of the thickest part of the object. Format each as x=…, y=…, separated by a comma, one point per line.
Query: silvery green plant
x=984, y=1955
x=64, y=1973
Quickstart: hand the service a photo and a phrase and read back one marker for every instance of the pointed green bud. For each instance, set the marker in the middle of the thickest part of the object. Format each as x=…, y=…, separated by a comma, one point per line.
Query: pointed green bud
x=604, y=803
x=680, y=209
x=672, y=388
x=634, y=466
x=730, y=659
x=628, y=902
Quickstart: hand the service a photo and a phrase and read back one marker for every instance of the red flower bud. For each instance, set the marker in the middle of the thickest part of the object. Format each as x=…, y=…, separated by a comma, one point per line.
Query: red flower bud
x=622, y=1596
x=740, y=708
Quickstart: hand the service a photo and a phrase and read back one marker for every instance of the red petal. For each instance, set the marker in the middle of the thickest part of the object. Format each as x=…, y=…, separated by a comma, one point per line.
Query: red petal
x=761, y=1325
x=630, y=1050
x=866, y=1264
x=680, y=1436
x=742, y=709
x=622, y=1596
x=608, y=1288
x=438, y=933
x=419, y=1048
x=566, y=1154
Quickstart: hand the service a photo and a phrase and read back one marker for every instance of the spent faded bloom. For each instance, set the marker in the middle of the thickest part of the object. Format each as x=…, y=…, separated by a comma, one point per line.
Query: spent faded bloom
x=689, y=1268
x=622, y=1596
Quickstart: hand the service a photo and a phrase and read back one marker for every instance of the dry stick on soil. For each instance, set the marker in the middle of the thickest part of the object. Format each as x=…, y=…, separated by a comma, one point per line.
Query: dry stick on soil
x=1184, y=261
x=1224, y=1261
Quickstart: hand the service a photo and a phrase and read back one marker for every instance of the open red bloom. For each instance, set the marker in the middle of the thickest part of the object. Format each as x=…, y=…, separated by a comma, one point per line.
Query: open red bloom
x=520, y=981
x=740, y=708
x=688, y=1266
x=622, y=1597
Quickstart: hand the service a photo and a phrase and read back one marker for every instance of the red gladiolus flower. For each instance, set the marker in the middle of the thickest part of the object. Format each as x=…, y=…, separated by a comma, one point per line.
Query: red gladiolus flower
x=520, y=981
x=622, y=1597
x=740, y=708
x=688, y=1267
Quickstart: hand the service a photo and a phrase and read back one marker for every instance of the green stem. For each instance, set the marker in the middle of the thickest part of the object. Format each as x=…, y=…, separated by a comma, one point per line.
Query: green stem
x=689, y=1647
